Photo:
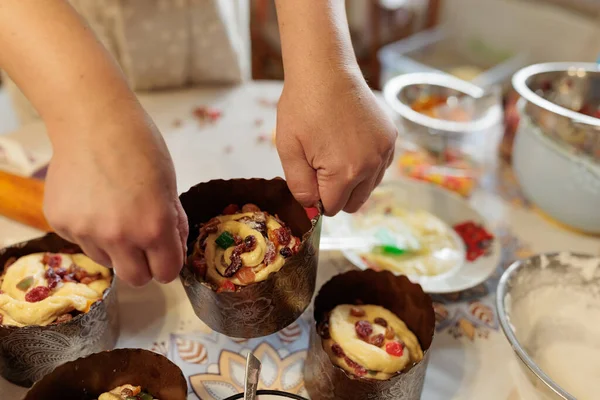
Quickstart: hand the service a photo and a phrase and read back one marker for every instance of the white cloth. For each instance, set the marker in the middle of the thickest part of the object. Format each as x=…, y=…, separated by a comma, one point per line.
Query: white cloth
x=166, y=43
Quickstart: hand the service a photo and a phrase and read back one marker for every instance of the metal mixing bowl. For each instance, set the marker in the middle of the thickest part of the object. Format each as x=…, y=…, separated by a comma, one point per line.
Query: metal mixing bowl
x=523, y=278
x=433, y=133
x=554, y=93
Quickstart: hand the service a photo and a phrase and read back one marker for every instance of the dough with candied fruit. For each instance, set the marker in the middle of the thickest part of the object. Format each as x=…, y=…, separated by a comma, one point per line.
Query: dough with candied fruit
x=369, y=341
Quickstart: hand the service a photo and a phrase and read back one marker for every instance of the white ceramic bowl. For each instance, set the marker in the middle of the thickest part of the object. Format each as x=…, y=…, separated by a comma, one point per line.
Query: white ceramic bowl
x=447, y=206
x=562, y=184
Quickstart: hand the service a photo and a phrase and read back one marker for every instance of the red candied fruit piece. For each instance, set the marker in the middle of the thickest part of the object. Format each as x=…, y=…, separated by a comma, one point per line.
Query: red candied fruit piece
x=395, y=349
x=364, y=329
x=337, y=350
x=36, y=294
x=231, y=209
x=296, y=247
x=246, y=275
x=226, y=286
x=312, y=212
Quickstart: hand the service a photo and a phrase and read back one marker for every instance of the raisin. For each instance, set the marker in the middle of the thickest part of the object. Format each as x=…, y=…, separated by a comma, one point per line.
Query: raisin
x=381, y=321
x=377, y=340
x=52, y=278
x=236, y=264
x=364, y=329
x=52, y=260
x=351, y=363
x=231, y=209
x=211, y=226
x=296, y=247
x=36, y=294
x=87, y=280
x=323, y=330
x=63, y=318
x=270, y=253
x=237, y=239
x=357, y=312
x=249, y=243
x=389, y=333
x=69, y=277
x=60, y=271
x=283, y=236
x=250, y=208
x=9, y=262
x=358, y=369
x=337, y=350
x=126, y=393
x=199, y=265
x=286, y=252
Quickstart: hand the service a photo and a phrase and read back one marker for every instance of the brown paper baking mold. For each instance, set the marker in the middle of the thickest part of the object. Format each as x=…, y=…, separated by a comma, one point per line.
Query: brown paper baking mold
x=29, y=353
x=87, y=378
x=324, y=380
x=261, y=308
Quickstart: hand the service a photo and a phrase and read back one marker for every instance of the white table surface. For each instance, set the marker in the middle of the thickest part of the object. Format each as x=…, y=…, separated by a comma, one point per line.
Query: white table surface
x=470, y=358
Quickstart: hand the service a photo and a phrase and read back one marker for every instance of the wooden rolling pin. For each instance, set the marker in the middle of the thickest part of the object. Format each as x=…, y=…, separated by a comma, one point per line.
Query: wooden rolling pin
x=21, y=200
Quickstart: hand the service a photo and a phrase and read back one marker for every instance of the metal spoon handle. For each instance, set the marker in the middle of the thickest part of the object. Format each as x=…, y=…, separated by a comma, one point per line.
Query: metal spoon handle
x=252, y=375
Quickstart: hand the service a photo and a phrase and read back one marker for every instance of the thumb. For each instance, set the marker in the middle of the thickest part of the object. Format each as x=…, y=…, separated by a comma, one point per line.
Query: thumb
x=300, y=176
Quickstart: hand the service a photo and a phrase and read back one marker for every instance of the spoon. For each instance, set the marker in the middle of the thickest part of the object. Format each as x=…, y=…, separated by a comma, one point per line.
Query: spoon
x=251, y=379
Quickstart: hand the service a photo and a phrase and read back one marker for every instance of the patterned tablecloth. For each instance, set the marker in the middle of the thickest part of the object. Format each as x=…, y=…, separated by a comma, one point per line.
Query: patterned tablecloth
x=470, y=358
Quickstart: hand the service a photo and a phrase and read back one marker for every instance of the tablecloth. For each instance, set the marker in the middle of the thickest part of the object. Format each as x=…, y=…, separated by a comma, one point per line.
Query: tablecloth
x=470, y=358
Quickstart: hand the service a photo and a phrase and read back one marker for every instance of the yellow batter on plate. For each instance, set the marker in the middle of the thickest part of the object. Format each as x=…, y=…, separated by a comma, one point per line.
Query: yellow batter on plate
x=371, y=342
x=41, y=287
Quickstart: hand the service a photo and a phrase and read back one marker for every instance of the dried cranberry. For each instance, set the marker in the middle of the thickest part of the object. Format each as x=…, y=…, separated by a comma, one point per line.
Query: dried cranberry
x=78, y=272
x=9, y=262
x=286, y=252
x=52, y=260
x=389, y=333
x=237, y=239
x=270, y=253
x=249, y=243
x=231, y=209
x=36, y=294
x=63, y=318
x=377, y=340
x=250, y=208
x=351, y=363
x=357, y=312
x=296, y=247
x=60, y=271
x=363, y=329
x=358, y=369
x=395, y=349
x=381, y=322
x=323, y=330
x=337, y=350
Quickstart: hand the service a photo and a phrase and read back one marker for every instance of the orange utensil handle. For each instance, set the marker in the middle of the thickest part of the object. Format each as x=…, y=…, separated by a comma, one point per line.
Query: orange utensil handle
x=21, y=199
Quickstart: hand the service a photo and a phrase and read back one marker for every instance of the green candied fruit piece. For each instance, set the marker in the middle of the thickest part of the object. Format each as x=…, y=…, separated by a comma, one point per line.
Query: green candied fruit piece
x=25, y=283
x=144, y=396
x=225, y=240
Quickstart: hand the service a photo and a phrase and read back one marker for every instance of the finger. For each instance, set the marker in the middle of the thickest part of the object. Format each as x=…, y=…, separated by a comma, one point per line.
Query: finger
x=94, y=252
x=166, y=259
x=335, y=192
x=130, y=264
x=359, y=196
x=384, y=169
x=300, y=176
x=182, y=226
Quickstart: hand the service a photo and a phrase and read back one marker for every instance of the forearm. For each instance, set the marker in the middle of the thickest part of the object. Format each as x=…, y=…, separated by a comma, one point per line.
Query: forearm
x=315, y=38
x=57, y=62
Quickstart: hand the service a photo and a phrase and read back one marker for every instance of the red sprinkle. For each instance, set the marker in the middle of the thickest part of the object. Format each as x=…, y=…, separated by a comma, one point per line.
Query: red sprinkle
x=36, y=294
x=364, y=329
x=395, y=349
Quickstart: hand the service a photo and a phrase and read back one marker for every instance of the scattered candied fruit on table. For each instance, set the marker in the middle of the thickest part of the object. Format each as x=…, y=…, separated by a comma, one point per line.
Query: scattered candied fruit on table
x=477, y=240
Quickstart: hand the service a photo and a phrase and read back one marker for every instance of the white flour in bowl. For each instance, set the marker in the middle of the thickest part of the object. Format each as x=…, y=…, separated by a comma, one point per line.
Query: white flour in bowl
x=559, y=327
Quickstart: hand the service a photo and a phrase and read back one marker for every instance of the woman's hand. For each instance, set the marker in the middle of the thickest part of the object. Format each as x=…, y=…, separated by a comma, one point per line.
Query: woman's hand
x=334, y=141
x=113, y=192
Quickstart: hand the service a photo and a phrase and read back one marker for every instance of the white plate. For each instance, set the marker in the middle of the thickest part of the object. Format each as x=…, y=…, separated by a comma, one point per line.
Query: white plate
x=450, y=208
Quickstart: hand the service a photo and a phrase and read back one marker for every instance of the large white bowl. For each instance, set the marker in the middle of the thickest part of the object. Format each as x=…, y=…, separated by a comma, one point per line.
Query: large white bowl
x=564, y=185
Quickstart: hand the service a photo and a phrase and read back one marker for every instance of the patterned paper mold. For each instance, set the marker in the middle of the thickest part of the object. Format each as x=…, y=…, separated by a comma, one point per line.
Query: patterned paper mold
x=29, y=353
x=324, y=380
x=89, y=377
x=261, y=308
